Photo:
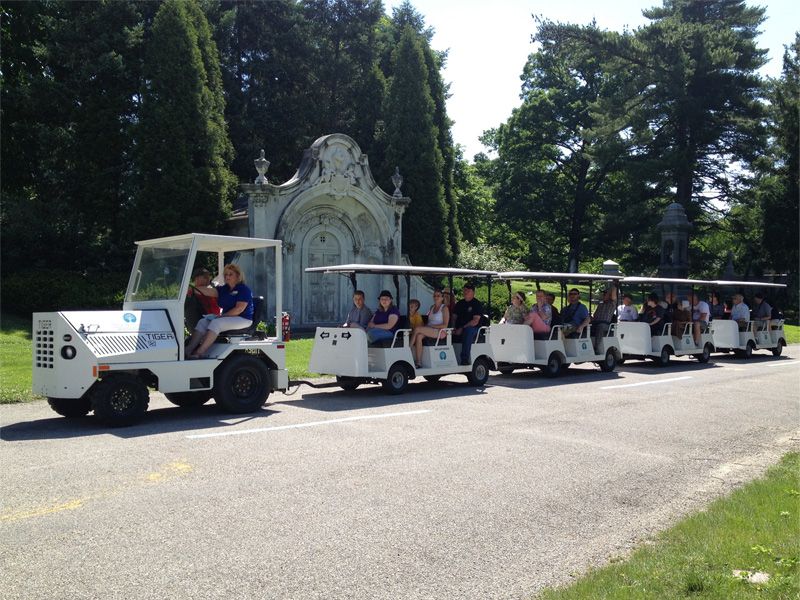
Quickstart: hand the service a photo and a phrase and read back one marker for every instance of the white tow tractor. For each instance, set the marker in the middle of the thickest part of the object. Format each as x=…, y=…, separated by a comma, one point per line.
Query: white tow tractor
x=346, y=353
x=671, y=339
x=515, y=347
x=105, y=361
x=759, y=335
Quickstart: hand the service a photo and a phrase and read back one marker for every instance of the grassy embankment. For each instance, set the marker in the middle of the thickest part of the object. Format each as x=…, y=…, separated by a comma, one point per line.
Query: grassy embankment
x=15, y=357
x=753, y=533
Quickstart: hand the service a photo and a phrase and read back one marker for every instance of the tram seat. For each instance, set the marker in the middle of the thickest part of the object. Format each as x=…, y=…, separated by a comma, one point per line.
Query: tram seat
x=398, y=341
x=251, y=332
x=440, y=341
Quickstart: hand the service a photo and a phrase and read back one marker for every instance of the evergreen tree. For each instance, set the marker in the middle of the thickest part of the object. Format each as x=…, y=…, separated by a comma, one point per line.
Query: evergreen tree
x=412, y=145
x=184, y=149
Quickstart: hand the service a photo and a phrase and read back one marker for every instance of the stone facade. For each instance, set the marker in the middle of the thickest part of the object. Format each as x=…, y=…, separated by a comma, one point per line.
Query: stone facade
x=330, y=212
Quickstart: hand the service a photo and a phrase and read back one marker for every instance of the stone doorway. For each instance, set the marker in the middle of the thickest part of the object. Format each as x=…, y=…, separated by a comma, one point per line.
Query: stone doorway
x=321, y=292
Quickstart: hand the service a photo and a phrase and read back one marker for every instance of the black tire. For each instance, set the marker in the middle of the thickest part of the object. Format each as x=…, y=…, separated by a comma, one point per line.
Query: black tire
x=241, y=384
x=72, y=408
x=778, y=350
x=565, y=367
x=120, y=399
x=432, y=378
x=189, y=399
x=348, y=384
x=665, y=356
x=553, y=366
x=479, y=374
x=505, y=370
x=397, y=379
x=703, y=358
x=748, y=350
x=609, y=363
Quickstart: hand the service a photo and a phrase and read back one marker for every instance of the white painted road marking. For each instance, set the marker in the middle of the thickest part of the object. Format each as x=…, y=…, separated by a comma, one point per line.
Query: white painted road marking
x=783, y=364
x=614, y=387
x=311, y=424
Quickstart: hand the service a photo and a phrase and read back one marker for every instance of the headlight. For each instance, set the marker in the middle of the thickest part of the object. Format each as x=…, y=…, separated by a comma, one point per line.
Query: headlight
x=68, y=352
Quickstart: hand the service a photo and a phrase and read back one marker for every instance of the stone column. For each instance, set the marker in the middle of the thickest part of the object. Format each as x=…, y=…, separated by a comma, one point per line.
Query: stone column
x=674, y=229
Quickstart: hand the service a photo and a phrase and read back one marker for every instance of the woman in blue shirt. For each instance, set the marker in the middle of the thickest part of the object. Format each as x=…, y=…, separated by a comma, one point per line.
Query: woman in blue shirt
x=236, y=301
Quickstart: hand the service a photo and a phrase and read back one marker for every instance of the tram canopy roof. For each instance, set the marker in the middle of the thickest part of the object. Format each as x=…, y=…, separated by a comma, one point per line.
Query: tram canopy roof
x=668, y=281
x=545, y=276
x=399, y=270
x=207, y=242
x=755, y=284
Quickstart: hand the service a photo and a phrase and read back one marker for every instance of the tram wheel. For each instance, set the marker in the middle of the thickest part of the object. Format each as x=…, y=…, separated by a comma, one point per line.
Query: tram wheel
x=553, y=366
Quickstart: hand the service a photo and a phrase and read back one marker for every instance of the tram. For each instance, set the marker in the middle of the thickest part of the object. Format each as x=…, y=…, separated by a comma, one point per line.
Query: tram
x=345, y=352
x=742, y=339
x=516, y=346
x=667, y=339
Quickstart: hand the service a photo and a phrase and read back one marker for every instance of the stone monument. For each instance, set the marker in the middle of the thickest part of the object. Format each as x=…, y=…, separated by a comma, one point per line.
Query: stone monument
x=330, y=212
x=674, y=227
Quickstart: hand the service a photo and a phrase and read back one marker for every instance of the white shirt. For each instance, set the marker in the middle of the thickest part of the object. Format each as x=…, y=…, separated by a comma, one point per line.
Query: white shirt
x=627, y=313
x=740, y=312
x=700, y=309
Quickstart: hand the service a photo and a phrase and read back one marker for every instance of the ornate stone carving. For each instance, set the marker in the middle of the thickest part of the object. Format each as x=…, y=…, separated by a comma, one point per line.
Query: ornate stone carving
x=397, y=180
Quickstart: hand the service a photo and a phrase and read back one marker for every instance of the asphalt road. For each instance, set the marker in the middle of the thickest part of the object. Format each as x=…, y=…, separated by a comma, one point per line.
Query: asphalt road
x=443, y=492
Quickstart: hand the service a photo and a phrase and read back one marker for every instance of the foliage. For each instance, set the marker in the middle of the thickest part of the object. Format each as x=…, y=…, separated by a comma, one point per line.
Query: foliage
x=411, y=145
x=27, y=291
x=184, y=150
x=483, y=257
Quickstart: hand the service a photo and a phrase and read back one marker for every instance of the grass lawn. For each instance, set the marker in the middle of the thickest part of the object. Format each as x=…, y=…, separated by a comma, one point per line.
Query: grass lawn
x=711, y=554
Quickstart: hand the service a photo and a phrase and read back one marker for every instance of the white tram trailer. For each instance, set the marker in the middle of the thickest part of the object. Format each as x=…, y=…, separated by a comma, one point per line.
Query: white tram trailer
x=514, y=346
x=105, y=361
x=636, y=338
x=345, y=352
x=759, y=335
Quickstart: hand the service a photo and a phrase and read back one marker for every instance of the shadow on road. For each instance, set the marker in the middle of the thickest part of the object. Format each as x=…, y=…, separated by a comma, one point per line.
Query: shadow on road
x=157, y=421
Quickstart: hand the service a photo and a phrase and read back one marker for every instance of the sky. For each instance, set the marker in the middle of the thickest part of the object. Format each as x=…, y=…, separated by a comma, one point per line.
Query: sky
x=489, y=42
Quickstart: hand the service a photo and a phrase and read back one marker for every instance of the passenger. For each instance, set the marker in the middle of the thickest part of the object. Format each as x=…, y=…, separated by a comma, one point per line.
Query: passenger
x=653, y=314
x=540, y=317
x=384, y=321
x=700, y=316
x=438, y=319
x=681, y=316
x=603, y=316
x=517, y=311
x=236, y=301
x=201, y=299
x=762, y=311
x=555, y=318
x=740, y=312
x=670, y=305
x=575, y=316
x=359, y=314
x=414, y=318
x=627, y=311
x=717, y=307
x=467, y=317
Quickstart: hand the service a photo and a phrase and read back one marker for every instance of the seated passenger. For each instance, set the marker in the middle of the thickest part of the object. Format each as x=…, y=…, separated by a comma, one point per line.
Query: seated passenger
x=653, y=314
x=438, y=319
x=414, y=318
x=603, y=316
x=449, y=299
x=681, y=315
x=762, y=312
x=517, y=311
x=701, y=314
x=740, y=312
x=467, y=316
x=555, y=318
x=575, y=316
x=359, y=314
x=717, y=307
x=201, y=299
x=627, y=311
x=540, y=317
x=236, y=301
x=384, y=321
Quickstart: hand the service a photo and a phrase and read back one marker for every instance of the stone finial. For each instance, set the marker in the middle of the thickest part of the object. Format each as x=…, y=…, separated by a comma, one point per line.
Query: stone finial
x=611, y=267
x=262, y=164
x=397, y=180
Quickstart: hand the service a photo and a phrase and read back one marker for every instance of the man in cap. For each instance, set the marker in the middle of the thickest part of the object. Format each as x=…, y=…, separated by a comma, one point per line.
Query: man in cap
x=467, y=315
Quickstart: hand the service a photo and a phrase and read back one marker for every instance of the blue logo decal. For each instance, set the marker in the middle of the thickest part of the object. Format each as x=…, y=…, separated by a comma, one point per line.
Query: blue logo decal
x=129, y=318
x=442, y=355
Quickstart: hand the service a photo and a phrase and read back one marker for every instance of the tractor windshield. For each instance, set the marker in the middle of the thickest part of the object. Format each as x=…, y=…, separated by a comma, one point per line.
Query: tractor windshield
x=158, y=272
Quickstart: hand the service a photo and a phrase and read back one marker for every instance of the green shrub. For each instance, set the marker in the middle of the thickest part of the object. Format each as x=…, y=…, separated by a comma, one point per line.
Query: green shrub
x=43, y=290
